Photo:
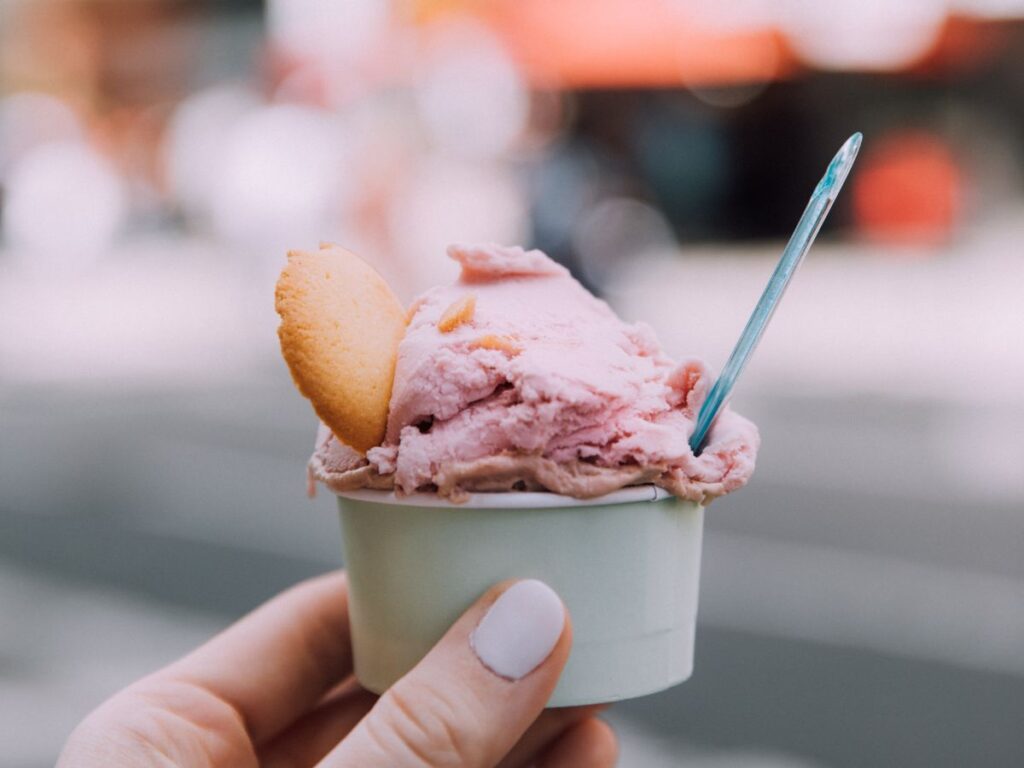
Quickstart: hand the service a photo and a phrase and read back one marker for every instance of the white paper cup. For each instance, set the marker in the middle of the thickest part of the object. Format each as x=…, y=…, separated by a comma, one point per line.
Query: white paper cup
x=627, y=565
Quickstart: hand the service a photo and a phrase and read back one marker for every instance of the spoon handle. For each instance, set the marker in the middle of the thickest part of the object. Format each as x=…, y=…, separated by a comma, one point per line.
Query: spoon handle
x=799, y=243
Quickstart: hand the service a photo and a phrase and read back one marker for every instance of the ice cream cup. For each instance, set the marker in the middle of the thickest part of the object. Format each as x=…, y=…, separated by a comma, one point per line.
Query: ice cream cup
x=627, y=566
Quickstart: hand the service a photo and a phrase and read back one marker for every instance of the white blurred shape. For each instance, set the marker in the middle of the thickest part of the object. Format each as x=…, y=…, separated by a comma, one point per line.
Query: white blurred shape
x=874, y=34
x=279, y=178
x=30, y=119
x=449, y=201
x=471, y=97
x=197, y=141
x=326, y=31
x=615, y=231
x=63, y=206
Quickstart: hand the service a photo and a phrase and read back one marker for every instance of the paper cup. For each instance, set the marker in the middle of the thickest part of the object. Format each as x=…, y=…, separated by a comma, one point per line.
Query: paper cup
x=627, y=565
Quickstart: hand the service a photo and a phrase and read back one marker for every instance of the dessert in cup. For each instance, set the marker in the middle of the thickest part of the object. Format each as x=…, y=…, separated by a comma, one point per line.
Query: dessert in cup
x=509, y=425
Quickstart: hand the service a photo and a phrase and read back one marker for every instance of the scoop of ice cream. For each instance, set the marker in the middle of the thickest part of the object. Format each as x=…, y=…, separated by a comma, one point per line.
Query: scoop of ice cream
x=516, y=377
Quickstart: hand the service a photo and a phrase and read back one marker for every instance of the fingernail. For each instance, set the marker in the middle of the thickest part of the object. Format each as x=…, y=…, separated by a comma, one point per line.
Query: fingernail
x=520, y=630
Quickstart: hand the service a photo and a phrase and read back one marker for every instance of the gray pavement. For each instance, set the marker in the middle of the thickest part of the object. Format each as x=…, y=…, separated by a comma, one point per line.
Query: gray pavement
x=842, y=624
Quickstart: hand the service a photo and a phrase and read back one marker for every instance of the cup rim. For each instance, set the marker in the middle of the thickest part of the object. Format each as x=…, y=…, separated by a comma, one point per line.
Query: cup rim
x=509, y=499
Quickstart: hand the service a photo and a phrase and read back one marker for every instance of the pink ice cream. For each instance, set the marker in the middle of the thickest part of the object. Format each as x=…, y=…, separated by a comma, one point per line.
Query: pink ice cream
x=542, y=388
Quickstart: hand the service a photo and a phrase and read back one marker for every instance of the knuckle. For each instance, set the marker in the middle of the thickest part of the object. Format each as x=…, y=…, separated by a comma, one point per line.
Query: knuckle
x=428, y=726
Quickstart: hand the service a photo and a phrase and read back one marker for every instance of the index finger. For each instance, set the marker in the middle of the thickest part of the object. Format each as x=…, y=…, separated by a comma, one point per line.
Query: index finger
x=277, y=663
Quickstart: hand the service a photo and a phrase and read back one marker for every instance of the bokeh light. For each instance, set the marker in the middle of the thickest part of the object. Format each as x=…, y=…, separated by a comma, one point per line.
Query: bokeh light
x=875, y=34
x=471, y=97
x=909, y=189
x=63, y=206
x=197, y=141
x=30, y=119
x=279, y=178
x=326, y=31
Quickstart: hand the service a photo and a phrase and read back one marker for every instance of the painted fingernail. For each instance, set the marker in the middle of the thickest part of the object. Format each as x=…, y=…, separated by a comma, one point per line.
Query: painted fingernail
x=520, y=630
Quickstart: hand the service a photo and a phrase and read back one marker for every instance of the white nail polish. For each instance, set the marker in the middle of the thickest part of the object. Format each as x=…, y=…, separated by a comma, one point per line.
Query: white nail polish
x=520, y=630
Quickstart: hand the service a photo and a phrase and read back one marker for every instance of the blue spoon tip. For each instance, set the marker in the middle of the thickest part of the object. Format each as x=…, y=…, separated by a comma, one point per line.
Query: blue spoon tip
x=839, y=168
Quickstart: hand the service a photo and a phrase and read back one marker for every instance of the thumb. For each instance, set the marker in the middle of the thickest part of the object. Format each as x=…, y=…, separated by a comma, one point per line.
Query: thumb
x=471, y=698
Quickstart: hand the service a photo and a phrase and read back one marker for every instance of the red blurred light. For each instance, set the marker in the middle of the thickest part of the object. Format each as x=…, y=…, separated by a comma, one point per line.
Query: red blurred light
x=908, y=190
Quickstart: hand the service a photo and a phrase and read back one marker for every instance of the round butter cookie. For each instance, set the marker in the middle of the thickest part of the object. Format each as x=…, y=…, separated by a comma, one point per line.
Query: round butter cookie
x=340, y=329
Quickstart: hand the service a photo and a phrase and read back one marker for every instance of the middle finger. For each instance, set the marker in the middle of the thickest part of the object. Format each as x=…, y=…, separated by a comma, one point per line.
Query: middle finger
x=545, y=729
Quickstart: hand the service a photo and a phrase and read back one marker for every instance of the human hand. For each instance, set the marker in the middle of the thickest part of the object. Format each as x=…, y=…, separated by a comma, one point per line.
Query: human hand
x=276, y=689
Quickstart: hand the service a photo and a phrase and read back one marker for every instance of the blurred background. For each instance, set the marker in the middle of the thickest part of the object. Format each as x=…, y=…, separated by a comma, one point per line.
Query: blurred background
x=863, y=599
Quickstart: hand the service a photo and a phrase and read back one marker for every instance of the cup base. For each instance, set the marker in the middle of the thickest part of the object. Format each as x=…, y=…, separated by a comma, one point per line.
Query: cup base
x=654, y=662
x=628, y=573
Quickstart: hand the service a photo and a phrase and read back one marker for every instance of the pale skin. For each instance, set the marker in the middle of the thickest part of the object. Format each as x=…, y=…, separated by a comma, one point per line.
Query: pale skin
x=276, y=689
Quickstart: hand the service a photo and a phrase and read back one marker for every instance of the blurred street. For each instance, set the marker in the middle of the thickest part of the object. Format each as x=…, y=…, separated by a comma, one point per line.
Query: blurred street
x=862, y=602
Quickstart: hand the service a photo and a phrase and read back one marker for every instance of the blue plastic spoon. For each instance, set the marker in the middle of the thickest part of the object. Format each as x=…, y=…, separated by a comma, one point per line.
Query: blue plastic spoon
x=800, y=242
